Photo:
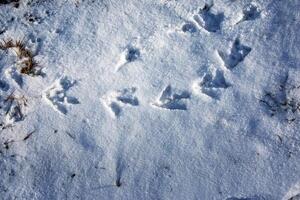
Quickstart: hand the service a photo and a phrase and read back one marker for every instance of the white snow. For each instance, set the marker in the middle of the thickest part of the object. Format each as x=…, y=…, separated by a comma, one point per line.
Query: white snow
x=151, y=99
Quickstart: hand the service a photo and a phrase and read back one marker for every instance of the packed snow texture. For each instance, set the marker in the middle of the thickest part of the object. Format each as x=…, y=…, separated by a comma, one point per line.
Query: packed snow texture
x=151, y=99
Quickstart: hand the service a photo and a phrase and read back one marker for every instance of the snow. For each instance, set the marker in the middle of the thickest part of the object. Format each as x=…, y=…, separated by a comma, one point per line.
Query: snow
x=160, y=99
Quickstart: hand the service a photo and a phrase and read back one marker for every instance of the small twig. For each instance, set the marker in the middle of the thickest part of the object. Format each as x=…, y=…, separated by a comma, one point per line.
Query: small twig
x=10, y=97
x=70, y=135
x=28, y=136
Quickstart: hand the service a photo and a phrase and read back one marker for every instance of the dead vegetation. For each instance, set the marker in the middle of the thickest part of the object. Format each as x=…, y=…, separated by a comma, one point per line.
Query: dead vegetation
x=9, y=142
x=13, y=107
x=29, y=65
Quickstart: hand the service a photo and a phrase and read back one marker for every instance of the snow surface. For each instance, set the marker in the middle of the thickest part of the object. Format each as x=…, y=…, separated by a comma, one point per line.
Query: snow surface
x=151, y=99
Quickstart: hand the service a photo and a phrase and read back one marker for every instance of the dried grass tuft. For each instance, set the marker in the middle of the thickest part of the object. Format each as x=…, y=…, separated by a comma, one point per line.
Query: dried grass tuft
x=29, y=64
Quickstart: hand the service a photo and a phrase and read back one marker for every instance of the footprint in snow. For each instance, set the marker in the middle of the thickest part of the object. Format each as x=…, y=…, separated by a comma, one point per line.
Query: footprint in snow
x=211, y=83
x=236, y=54
x=57, y=96
x=296, y=197
x=208, y=20
x=114, y=101
x=14, y=74
x=4, y=86
x=172, y=99
x=130, y=54
x=189, y=27
x=250, y=12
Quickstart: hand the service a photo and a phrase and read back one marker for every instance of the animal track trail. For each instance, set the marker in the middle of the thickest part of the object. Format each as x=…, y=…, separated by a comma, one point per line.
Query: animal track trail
x=211, y=84
x=114, y=101
x=237, y=54
x=208, y=20
x=250, y=12
x=57, y=96
x=172, y=100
